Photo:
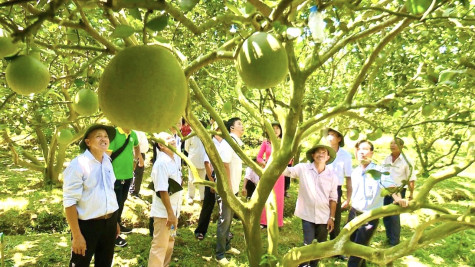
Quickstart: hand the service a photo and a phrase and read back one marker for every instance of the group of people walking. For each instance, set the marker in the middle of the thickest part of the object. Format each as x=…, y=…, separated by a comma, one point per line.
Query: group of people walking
x=98, y=181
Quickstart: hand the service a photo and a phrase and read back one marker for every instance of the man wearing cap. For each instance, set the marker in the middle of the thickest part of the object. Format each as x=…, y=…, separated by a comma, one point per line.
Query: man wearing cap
x=400, y=170
x=366, y=196
x=342, y=168
x=316, y=202
x=127, y=142
x=166, y=205
x=89, y=200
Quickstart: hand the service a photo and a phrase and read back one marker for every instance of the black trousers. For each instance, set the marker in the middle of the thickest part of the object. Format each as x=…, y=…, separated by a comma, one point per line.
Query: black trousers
x=121, y=189
x=311, y=232
x=393, y=223
x=336, y=230
x=206, y=211
x=100, y=237
x=138, y=176
x=250, y=187
x=361, y=236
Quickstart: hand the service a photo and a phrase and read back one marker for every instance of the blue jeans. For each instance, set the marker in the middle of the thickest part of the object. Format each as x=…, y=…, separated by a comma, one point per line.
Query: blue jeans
x=393, y=223
x=223, y=240
x=361, y=236
x=311, y=232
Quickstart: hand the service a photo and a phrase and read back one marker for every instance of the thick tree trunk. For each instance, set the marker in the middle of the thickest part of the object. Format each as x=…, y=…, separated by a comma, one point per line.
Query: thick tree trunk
x=272, y=226
x=252, y=235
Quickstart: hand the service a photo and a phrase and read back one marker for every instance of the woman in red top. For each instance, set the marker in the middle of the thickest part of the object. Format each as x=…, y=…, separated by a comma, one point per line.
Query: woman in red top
x=266, y=148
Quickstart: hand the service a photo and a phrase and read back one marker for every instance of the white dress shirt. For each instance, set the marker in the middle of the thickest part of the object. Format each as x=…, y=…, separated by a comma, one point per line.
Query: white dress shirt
x=315, y=192
x=399, y=169
x=341, y=165
x=89, y=184
x=143, y=142
x=235, y=163
x=196, y=151
x=251, y=175
x=164, y=168
x=366, y=193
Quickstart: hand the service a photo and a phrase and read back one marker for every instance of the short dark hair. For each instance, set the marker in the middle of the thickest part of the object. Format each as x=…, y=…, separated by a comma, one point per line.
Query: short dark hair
x=231, y=122
x=364, y=141
x=399, y=141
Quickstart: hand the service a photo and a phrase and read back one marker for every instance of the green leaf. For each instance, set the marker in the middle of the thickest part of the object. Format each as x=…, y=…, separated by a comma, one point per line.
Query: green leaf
x=135, y=13
x=158, y=23
x=384, y=192
x=79, y=82
x=122, y=31
x=375, y=174
x=234, y=9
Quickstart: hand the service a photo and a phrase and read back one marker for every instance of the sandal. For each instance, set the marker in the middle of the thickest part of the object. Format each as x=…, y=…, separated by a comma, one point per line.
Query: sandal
x=200, y=236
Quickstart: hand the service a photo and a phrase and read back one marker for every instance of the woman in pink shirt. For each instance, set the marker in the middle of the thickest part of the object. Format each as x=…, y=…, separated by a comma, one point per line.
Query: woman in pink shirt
x=279, y=187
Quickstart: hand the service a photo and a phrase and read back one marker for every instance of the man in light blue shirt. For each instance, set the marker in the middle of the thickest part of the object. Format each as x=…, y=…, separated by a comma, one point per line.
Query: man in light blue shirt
x=366, y=196
x=90, y=202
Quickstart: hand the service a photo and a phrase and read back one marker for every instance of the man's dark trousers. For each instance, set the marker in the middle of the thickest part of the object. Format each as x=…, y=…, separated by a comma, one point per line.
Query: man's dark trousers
x=393, y=223
x=138, y=176
x=100, y=236
x=361, y=236
x=336, y=230
x=311, y=232
x=206, y=211
x=121, y=189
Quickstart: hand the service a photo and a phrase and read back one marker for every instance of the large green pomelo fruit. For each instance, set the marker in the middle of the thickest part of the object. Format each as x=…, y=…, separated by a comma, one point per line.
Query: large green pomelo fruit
x=85, y=102
x=143, y=88
x=7, y=47
x=26, y=75
x=417, y=7
x=262, y=61
x=65, y=136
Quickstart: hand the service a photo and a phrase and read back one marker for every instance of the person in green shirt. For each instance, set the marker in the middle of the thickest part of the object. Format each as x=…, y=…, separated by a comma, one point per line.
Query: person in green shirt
x=123, y=164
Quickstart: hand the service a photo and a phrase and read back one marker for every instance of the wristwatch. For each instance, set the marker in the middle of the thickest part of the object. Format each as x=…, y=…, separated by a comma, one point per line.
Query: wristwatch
x=332, y=218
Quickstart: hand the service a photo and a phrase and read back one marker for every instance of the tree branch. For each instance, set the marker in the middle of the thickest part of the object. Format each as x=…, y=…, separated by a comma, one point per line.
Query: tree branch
x=369, y=61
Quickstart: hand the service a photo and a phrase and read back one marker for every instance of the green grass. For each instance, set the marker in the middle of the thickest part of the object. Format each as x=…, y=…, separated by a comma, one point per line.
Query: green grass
x=37, y=233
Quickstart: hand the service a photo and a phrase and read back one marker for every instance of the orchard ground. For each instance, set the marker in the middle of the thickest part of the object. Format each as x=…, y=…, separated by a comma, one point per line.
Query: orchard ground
x=36, y=232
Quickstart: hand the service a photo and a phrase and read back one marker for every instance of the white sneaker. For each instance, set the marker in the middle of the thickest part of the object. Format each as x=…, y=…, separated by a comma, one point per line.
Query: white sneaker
x=223, y=262
x=233, y=251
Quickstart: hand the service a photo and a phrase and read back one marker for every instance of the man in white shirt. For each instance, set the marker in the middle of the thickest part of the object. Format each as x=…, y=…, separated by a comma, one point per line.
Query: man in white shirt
x=233, y=166
x=316, y=202
x=138, y=171
x=89, y=200
x=196, y=154
x=400, y=170
x=165, y=208
x=342, y=168
x=210, y=196
x=366, y=196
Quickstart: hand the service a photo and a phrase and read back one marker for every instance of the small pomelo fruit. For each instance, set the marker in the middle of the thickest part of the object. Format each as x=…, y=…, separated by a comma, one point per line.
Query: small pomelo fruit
x=354, y=134
x=7, y=47
x=417, y=7
x=262, y=61
x=65, y=136
x=428, y=109
x=227, y=107
x=187, y=5
x=143, y=88
x=85, y=102
x=26, y=75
